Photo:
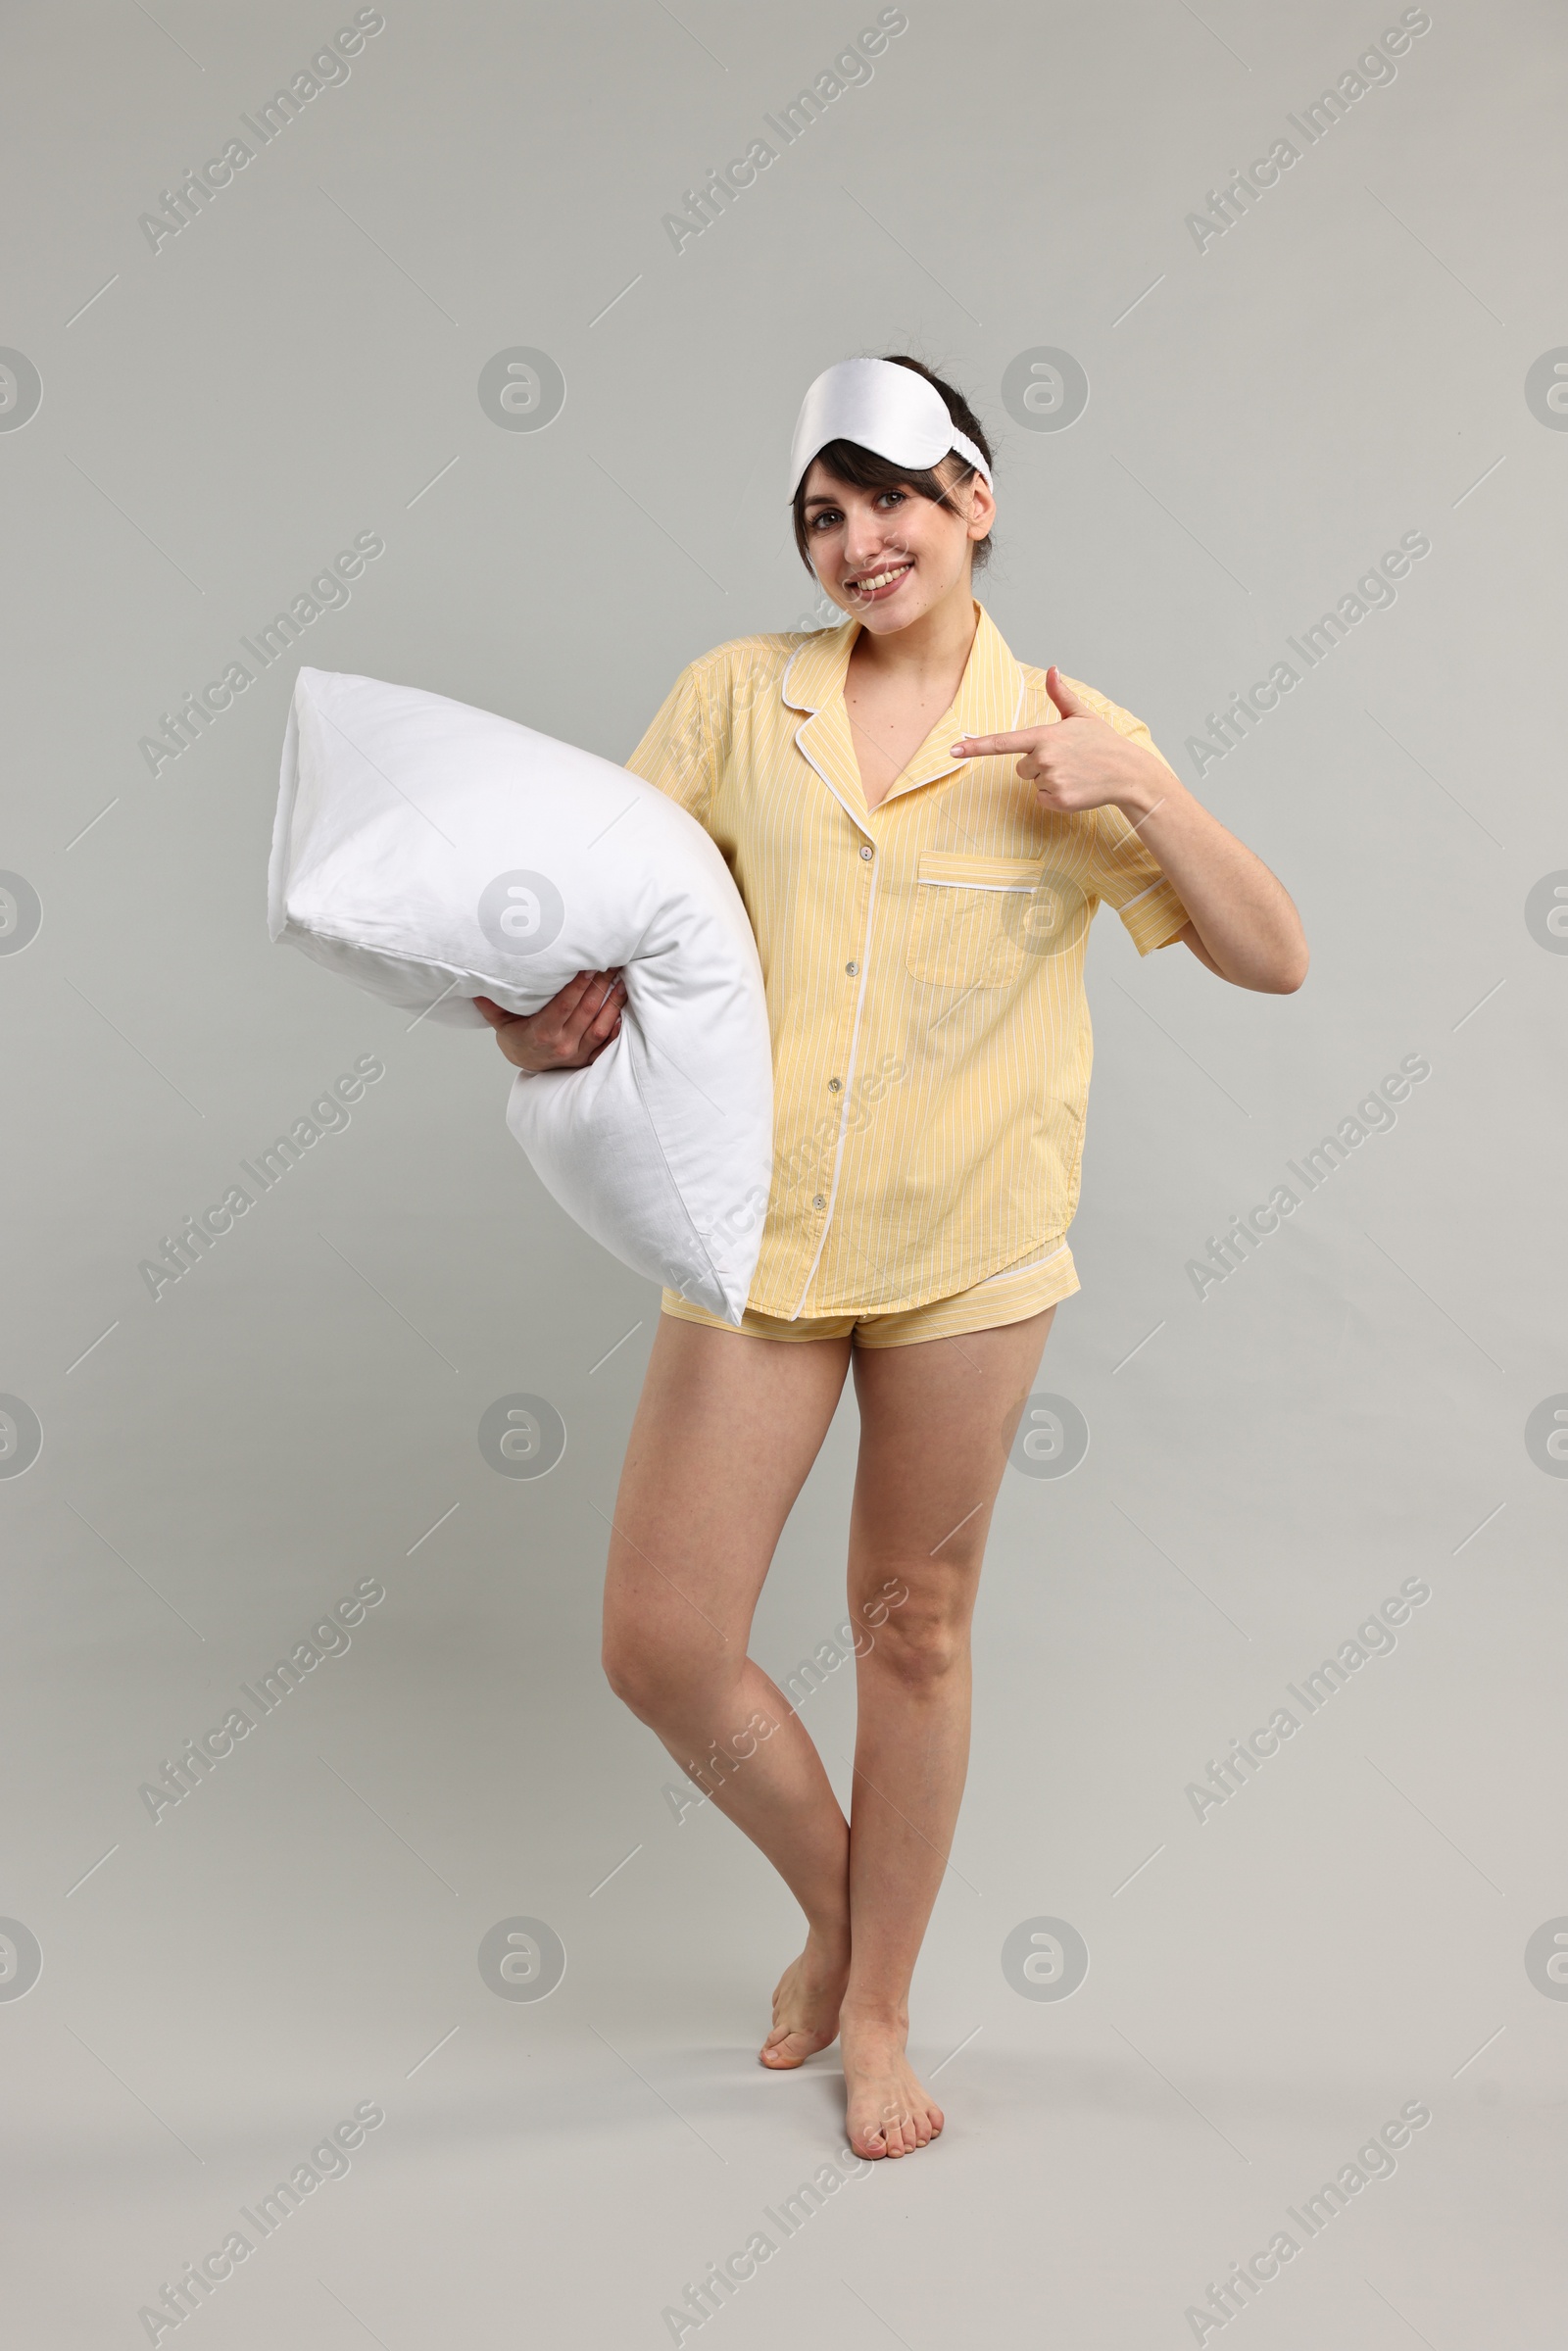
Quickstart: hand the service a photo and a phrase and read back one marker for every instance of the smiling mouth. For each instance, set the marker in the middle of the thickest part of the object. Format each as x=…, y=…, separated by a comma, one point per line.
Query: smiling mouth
x=877, y=583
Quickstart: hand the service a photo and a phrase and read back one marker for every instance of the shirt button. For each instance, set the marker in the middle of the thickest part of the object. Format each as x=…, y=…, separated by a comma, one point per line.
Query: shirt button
x=853, y=969
x=833, y=1085
x=820, y=1202
x=864, y=851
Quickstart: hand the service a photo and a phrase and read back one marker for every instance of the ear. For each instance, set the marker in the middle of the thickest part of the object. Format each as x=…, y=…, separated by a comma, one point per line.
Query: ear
x=982, y=507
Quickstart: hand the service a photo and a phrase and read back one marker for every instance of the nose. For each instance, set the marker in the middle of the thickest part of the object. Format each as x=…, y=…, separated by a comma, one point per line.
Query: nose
x=865, y=537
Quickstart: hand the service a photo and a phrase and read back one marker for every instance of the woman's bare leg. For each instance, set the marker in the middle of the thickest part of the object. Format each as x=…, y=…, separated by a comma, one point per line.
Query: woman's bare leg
x=936, y=1422
x=726, y=1431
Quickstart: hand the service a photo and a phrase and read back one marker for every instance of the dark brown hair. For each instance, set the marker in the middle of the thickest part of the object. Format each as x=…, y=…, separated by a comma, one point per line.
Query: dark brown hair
x=863, y=470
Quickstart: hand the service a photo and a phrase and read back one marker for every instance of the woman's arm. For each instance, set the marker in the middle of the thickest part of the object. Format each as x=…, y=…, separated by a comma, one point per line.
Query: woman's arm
x=1243, y=923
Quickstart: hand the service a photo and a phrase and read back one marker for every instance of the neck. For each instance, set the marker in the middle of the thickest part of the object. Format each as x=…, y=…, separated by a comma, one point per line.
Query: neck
x=939, y=641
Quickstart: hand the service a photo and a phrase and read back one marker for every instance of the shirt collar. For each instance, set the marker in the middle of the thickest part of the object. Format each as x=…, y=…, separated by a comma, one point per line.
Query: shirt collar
x=988, y=702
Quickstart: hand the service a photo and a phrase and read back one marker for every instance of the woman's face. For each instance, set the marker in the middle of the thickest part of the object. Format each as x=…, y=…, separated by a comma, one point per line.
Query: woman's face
x=889, y=555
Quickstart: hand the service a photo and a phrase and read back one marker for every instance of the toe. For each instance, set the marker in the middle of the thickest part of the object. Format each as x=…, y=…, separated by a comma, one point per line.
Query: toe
x=780, y=2048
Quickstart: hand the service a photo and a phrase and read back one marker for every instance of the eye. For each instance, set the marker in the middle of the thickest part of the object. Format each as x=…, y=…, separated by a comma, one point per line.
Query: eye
x=824, y=515
x=895, y=495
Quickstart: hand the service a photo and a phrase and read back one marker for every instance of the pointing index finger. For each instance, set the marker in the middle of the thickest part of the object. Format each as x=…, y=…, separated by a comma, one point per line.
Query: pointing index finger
x=982, y=746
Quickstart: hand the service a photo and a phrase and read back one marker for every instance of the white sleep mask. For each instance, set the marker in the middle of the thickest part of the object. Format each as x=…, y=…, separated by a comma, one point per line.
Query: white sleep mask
x=884, y=408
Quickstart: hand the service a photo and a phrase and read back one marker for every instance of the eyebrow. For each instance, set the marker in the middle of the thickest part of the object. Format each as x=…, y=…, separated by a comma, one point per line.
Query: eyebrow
x=821, y=497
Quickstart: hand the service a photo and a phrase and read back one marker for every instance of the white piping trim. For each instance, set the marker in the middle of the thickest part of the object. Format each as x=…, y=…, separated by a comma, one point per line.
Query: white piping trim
x=789, y=669
x=849, y=1085
x=1008, y=1271
x=812, y=710
x=865, y=957
x=853, y=813
x=1128, y=904
x=947, y=881
x=784, y=682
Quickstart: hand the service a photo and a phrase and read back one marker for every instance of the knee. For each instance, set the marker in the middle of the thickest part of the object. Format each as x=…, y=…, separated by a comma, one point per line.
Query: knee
x=638, y=1672
x=920, y=1645
x=659, y=1679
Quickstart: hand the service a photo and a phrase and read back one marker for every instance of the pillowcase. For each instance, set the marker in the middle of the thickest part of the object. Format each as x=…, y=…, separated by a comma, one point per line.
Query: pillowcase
x=432, y=853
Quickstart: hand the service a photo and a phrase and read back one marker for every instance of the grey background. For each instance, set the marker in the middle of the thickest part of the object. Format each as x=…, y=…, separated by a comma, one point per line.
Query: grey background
x=1264, y=1988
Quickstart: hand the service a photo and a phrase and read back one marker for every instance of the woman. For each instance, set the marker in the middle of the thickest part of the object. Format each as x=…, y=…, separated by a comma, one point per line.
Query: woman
x=920, y=828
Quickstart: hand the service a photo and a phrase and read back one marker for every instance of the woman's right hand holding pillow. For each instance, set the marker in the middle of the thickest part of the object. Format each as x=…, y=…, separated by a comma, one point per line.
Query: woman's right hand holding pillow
x=568, y=1032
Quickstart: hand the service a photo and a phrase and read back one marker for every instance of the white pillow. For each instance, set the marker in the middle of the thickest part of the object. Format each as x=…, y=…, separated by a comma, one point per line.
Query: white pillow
x=426, y=850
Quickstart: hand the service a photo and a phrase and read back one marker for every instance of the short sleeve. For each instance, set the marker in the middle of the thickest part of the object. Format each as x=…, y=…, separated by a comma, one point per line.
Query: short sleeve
x=676, y=755
x=1127, y=875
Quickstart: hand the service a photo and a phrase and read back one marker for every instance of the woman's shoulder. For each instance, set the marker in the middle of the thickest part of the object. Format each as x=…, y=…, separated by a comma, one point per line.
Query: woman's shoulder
x=767, y=652
x=737, y=675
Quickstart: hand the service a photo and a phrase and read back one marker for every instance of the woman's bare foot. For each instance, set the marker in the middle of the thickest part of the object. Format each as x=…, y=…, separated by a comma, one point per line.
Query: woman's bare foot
x=888, y=2113
x=806, y=2005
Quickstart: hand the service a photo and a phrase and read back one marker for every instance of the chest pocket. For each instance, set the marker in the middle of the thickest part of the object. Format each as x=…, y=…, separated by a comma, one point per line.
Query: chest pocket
x=968, y=925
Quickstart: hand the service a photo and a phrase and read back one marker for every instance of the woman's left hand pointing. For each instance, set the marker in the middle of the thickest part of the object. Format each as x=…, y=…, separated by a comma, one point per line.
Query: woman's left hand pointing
x=1076, y=762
